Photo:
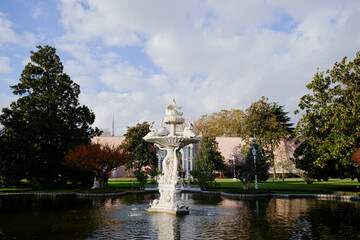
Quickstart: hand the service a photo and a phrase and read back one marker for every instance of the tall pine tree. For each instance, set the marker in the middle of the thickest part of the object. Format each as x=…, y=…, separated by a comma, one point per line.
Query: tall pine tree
x=44, y=122
x=208, y=158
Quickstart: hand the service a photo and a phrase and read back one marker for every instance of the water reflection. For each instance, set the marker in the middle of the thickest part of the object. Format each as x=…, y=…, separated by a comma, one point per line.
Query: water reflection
x=167, y=225
x=211, y=217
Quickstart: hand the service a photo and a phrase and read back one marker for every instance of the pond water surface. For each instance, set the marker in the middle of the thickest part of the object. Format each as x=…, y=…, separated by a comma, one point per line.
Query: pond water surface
x=211, y=217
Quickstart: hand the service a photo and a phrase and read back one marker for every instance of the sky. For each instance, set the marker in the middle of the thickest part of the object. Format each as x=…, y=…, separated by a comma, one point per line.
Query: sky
x=131, y=58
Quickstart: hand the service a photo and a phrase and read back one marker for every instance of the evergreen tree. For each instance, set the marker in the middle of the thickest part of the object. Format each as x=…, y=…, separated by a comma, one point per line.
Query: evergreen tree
x=245, y=167
x=208, y=158
x=283, y=118
x=44, y=122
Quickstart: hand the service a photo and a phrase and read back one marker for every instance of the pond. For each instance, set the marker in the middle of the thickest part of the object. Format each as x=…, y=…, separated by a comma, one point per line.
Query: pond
x=211, y=217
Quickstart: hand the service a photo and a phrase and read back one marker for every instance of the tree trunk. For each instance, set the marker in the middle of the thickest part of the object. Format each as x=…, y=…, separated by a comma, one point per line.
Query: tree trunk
x=274, y=171
x=98, y=183
x=245, y=184
x=272, y=157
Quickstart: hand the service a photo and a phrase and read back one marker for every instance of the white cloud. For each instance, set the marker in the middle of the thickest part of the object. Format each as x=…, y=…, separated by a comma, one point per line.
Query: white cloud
x=8, y=35
x=122, y=78
x=38, y=11
x=209, y=54
x=5, y=65
x=6, y=32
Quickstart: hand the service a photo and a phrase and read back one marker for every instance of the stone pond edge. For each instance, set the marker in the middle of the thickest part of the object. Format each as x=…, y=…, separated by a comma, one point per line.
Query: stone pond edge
x=192, y=190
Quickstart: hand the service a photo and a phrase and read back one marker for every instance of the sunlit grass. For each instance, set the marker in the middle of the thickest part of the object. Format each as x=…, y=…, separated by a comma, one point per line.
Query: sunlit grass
x=333, y=186
x=115, y=185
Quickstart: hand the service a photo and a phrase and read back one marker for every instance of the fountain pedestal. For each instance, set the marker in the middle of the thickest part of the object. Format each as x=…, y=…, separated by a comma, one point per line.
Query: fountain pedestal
x=169, y=181
x=169, y=201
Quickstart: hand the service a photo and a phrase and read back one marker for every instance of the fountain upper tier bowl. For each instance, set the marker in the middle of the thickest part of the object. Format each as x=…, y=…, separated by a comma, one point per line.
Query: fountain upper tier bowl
x=173, y=120
x=172, y=141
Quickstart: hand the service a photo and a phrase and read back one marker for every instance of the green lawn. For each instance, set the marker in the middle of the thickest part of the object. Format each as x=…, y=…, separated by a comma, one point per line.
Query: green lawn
x=114, y=185
x=333, y=186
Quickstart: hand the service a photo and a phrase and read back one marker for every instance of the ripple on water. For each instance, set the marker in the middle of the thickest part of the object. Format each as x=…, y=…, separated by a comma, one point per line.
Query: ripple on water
x=209, y=218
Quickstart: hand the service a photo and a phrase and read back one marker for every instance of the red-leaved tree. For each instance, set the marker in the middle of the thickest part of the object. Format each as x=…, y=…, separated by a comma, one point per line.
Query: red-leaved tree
x=96, y=158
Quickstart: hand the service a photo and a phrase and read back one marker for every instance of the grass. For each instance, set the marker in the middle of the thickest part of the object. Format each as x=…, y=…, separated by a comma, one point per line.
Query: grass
x=114, y=186
x=333, y=186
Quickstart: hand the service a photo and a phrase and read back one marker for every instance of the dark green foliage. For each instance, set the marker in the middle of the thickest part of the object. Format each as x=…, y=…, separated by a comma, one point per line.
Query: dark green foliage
x=141, y=178
x=308, y=179
x=80, y=178
x=208, y=158
x=142, y=153
x=262, y=166
x=153, y=173
x=43, y=123
x=205, y=180
x=283, y=118
x=11, y=173
x=245, y=167
x=331, y=120
x=304, y=158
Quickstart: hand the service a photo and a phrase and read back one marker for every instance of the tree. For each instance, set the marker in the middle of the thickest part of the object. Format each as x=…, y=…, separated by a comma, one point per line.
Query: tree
x=303, y=158
x=97, y=159
x=283, y=118
x=223, y=123
x=205, y=180
x=11, y=173
x=208, y=158
x=245, y=167
x=45, y=121
x=142, y=153
x=268, y=124
x=331, y=120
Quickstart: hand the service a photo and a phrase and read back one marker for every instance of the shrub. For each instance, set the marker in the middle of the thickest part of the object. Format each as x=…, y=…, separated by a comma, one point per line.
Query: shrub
x=141, y=178
x=204, y=179
x=153, y=173
x=307, y=179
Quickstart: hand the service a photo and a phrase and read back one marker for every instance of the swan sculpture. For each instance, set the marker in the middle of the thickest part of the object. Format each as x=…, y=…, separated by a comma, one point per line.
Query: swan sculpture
x=152, y=132
x=173, y=110
x=189, y=130
x=163, y=130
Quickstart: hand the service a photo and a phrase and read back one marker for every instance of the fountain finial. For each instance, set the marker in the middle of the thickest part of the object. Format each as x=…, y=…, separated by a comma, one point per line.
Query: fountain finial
x=173, y=115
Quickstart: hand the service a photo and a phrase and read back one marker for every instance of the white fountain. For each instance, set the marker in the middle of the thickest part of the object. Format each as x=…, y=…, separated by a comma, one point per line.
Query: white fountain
x=173, y=141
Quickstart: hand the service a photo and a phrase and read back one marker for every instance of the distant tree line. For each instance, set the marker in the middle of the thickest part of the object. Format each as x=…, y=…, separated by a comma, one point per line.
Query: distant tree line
x=264, y=124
